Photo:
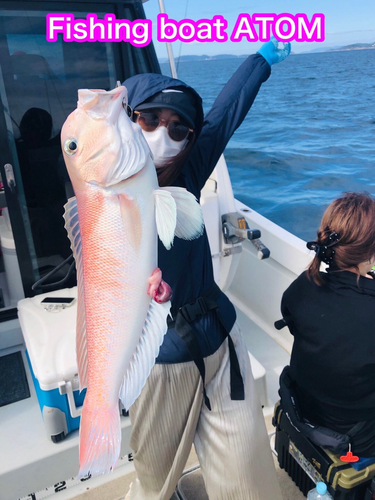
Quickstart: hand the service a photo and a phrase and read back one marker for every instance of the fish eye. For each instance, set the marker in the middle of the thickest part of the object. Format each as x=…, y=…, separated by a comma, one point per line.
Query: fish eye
x=71, y=146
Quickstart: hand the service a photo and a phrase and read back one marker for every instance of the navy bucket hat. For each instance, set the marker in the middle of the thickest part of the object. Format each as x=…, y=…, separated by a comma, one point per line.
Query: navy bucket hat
x=152, y=90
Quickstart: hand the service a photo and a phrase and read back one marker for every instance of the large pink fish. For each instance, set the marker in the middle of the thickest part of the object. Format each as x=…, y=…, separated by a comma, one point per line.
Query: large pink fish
x=113, y=223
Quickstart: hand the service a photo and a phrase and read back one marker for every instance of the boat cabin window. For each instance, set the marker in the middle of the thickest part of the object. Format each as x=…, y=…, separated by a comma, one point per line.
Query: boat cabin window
x=38, y=90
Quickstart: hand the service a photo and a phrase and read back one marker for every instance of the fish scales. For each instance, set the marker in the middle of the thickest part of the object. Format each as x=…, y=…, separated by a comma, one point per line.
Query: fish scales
x=113, y=274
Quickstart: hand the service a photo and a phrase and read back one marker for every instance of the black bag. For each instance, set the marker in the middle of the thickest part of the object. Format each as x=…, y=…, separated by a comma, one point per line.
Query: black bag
x=321, y=436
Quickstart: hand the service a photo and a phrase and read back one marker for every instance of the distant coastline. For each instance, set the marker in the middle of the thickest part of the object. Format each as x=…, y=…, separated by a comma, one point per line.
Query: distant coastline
x=204, y=57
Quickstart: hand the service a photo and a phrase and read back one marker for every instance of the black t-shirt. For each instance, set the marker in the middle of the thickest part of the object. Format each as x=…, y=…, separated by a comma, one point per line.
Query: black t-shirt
x=333, y=356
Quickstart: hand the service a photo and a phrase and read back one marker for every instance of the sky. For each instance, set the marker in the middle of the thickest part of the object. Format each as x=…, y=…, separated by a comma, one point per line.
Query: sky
x=346, y=22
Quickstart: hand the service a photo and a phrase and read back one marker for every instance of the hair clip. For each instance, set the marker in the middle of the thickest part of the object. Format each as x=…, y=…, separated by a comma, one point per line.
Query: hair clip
x=325, y=252
x=333, y=238
x=321, y=251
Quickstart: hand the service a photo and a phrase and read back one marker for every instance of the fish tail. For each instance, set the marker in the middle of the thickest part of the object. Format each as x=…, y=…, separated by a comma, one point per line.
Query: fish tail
x=100, y=438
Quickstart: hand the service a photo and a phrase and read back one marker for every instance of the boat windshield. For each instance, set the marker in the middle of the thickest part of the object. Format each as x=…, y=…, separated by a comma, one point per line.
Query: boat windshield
x=38, y=89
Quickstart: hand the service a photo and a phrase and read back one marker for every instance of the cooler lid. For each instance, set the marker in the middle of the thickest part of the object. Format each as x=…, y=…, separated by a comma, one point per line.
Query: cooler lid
x=50, y=337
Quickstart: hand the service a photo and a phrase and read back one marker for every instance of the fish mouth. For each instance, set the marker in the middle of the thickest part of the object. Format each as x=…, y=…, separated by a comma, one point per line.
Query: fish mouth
x=99, y=104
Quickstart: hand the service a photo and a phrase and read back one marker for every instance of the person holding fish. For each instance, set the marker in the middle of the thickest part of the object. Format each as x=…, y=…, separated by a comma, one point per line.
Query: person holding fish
x=201, y=389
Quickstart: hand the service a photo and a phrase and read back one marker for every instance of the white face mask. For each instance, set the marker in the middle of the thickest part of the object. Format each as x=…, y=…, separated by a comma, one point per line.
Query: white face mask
x=162, y=146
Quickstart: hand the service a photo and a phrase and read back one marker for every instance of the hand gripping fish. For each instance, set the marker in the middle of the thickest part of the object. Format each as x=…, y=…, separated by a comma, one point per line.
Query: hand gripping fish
x=113, y=222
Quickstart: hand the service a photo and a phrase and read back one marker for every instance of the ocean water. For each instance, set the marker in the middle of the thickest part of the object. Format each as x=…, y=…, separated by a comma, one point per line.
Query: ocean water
x=309, y=136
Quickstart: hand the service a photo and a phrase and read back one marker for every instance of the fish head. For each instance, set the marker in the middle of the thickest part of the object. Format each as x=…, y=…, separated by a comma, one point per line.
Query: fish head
x=100, y=144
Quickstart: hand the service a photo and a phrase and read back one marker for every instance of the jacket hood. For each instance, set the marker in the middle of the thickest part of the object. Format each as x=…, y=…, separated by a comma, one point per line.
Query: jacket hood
x=141, y=87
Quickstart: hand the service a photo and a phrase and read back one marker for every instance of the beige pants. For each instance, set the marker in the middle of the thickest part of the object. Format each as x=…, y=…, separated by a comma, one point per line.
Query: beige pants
x=230, y=440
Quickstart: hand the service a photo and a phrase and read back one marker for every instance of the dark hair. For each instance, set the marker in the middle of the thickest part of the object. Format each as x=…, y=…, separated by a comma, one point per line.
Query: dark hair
x=352, y=216
x=171, y=169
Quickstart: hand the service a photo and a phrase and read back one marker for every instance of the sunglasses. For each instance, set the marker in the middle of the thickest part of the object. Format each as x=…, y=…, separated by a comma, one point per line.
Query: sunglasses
x=149, y=122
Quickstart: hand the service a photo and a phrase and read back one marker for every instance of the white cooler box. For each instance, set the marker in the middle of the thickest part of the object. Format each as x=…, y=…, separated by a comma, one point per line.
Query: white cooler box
x=49, y=330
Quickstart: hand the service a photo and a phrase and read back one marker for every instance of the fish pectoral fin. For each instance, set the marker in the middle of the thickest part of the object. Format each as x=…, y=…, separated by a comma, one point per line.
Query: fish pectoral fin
x=146, y=352
x=72, y=228
x=166, y=216
x=189, y=213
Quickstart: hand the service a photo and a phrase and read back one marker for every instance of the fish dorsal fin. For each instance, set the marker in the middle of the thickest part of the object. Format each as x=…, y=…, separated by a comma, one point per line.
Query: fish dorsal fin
x=165, y=216
x=72, y=227
x=146, y=352
x=189, y=213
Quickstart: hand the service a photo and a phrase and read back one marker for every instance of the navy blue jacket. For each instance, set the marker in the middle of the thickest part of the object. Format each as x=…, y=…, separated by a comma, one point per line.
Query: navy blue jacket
x=187, y=267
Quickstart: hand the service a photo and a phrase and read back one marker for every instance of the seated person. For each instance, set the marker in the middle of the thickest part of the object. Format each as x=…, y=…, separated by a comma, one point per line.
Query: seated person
x=43, y=178
x=332, y=318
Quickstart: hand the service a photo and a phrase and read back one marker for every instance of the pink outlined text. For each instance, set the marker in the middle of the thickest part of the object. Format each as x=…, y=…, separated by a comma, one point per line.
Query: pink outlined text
x=92, y=29
x=187, y=30
x=285, y=27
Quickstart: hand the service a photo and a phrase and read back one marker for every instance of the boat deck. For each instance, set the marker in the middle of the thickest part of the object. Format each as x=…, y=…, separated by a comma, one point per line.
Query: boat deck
x=31, y=462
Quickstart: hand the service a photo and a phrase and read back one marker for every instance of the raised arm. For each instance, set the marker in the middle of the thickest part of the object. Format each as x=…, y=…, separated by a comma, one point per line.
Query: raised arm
x=230, y=109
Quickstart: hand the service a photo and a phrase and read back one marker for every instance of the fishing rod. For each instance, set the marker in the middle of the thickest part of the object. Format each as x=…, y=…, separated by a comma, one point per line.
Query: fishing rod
x=169, y=45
